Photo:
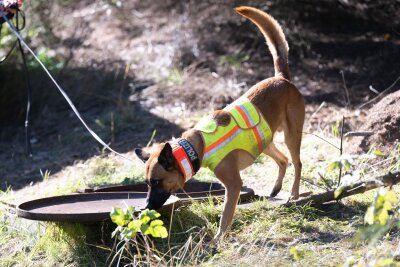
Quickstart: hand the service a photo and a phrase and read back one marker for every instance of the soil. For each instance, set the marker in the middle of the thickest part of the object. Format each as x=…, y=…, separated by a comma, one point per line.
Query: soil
x=159, y=65
x=383, y=121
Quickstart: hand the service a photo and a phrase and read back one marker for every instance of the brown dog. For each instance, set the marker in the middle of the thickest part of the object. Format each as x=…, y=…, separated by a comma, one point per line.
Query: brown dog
x=282, y=106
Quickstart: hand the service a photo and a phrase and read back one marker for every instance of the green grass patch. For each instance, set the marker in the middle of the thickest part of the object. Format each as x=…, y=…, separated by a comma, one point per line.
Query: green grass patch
x=262, y=235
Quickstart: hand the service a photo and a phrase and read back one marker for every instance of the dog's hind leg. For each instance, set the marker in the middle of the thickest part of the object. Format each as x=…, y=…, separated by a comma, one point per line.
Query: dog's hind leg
x=282, y=162
x=293, y=133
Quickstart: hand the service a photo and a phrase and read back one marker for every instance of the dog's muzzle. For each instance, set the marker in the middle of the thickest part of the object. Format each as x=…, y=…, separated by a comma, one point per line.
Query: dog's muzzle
x=156, y=197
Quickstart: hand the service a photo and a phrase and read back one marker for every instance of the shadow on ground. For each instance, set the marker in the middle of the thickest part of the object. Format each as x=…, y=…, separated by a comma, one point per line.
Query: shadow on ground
x=58, y=138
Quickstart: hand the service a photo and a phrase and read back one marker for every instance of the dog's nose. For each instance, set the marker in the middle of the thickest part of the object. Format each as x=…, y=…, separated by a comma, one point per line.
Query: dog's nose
x=150, y=205
x=156, y=197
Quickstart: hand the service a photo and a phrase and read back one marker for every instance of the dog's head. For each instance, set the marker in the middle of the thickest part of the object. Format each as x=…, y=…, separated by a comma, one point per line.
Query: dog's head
x=162, y=174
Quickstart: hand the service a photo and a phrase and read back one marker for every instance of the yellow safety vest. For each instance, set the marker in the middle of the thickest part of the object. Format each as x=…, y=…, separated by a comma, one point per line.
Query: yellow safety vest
x=247, y=130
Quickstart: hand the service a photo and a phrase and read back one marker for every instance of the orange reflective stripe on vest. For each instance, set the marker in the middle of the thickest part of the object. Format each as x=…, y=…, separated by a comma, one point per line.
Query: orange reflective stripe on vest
x=247, y=130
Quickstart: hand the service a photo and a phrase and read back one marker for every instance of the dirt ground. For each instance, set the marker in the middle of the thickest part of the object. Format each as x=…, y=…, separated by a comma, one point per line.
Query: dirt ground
x=147, y=66
x=383, y=124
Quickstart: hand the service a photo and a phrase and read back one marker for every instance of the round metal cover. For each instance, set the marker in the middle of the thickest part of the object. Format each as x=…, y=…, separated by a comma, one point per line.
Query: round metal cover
x=191, y=191
x=96, y=205
x=90, y=207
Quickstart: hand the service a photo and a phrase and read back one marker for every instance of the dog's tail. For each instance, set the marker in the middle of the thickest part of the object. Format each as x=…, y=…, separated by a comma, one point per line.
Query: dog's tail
x=274, y=36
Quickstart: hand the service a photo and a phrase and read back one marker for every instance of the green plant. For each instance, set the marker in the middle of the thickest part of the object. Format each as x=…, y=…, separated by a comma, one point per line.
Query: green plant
x=116, y=3
x=380, y=218
x=346, y=162
x=234, y=60
x=378, y=212
x=45, y=175
x=48, y=58
x=134, y=231
x=129, y=226
x=176, y=76
x=296, y=253
x=335, y=129
x=328, y=173
x=61, y=243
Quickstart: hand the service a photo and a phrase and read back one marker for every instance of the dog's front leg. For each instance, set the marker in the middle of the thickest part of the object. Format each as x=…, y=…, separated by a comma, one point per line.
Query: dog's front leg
x=233, y=184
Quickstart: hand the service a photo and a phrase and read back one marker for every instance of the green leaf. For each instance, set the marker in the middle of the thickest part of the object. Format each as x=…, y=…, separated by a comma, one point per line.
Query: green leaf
x=145, y=219
x=157, y=229
x=143, y=228
x=378, y=152
x=347, y=164
x=135, y=225
x=378, y=212
x=156, y=223
x=350, y=261
x=380, y=200
x=126, y=234
x=120, y=216
x=338, y=192
x=160, y=231
x=147, y=215
x=296, y=253
x=391, y=197
x=151, y=213
x=387, y=206
x=383, y=216
x=385, y=262
x=369, y=217
x=334, y=165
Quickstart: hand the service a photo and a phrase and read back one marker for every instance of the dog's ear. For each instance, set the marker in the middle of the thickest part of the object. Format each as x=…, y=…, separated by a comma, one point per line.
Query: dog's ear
x=143, y=155
x=166, y=158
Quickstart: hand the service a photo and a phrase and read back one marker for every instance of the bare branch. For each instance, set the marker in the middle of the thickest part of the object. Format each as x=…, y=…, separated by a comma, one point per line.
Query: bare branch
x=389, y=179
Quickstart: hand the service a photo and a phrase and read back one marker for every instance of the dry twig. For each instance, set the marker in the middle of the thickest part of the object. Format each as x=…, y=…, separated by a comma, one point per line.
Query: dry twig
x=389, y=179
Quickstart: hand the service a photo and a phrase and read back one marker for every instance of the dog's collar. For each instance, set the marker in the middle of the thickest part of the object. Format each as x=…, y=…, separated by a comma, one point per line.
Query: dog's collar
x=187, y=158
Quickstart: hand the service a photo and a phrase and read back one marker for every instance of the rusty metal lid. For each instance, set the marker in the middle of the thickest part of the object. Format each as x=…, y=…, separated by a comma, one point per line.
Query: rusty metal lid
x=194, y=187
x=192, y=190
x=89, y=207
x=96, y=206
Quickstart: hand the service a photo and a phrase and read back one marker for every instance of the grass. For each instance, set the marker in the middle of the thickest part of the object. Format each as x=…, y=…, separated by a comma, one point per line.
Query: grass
x=235, y=60
x=262, y=235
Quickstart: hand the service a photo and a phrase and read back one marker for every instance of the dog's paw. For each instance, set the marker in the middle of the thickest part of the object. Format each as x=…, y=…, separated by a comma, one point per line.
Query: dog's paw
x=294, y=195
x=274, y=192
x=302, y=195
x=292, y=198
